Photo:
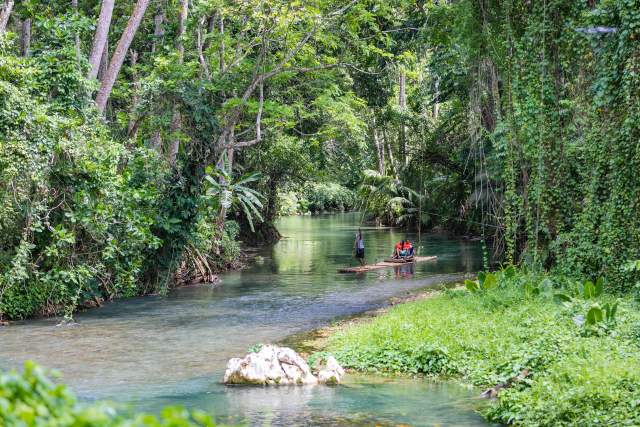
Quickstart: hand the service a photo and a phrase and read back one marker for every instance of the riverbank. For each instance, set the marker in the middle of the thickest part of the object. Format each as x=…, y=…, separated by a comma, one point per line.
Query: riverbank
x=293, y=286
x=553, y=367
x=317, y=340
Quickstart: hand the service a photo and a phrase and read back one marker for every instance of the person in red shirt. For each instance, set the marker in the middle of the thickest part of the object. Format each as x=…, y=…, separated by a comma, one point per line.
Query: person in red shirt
x=407, y=248
x=397, y=251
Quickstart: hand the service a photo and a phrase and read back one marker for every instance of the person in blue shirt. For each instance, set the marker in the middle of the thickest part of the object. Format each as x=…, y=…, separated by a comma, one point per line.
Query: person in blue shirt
x=358, y=247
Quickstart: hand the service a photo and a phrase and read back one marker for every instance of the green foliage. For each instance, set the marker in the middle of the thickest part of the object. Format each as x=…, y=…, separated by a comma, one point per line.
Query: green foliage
x=632, y=268
x=581, y=290
x=220, y=252
x=228, y=191
x=255, y=348
x=388, y=199
x=591, y=290
x=322, y=197
x=78, y=210
x=488, y=280
x=290, y=204
x=97, y=207
x=508, y=105
x=599, y=389
x=487, y=337
x=30, y=399
x=317, y=197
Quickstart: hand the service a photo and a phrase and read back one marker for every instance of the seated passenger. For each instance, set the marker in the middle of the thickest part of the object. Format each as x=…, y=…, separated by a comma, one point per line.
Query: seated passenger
x=403, y=249
x=408, y=248
x=397, y=251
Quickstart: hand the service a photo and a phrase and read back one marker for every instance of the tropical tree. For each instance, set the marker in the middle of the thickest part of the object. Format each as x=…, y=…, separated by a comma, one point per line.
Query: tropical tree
x=229, y=192
x=387, y=199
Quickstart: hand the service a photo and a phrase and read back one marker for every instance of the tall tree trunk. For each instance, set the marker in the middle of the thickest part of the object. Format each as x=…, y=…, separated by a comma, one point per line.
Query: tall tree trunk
x=387, y=143
x=174, y=147
x=378, y=144
x=402, y=102
x=104, y=61
x=74, y=7
x=5, y=14
x=200, y=49
x=156, y=141
x=211, y=25
x=222, y=47
x=176, y=120
x=184, y=12
x=100, y=38
x=25, y=38
x=158, y=33
x=118, y=56
x=132, y=130
x=158, y=30
x=271, y=210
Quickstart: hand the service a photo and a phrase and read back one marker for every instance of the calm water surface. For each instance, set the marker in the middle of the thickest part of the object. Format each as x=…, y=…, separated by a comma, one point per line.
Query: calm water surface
x=153, y=351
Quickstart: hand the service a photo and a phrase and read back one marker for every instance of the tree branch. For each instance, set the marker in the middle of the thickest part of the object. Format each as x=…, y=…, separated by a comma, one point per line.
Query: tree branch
x=5, y=15
x=258, y=137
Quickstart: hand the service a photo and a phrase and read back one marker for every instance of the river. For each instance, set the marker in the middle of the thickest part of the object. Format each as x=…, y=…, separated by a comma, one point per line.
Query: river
x=153, y=351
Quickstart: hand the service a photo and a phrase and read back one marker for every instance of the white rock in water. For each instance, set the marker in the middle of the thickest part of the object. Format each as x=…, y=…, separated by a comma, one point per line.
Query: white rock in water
x=250, y=370
x=332, y=373
x=326, y=376
x=333, y=365
x=272, y=365
x=295, y=367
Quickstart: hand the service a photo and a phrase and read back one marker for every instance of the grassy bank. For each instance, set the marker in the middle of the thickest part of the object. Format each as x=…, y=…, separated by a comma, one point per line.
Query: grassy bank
x=582, y=370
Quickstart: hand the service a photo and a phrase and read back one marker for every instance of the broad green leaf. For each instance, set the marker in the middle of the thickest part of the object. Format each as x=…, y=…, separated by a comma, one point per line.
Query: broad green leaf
x=588, y=290
x=599, y=287
x=560, y=297
x=490, y=281
x=509, y=272
x=611, y=311
x=594, y=315
x=471, y=285
x=481, y=277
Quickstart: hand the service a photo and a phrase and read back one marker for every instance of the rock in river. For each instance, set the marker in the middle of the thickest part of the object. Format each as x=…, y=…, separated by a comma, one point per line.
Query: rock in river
x=274, y=365
x=332, y=372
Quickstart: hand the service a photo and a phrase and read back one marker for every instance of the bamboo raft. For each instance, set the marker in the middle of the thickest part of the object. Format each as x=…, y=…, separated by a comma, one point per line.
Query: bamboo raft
x=389, y=262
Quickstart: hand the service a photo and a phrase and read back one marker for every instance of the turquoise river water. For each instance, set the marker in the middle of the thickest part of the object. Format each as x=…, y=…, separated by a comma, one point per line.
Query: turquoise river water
x=163, y=350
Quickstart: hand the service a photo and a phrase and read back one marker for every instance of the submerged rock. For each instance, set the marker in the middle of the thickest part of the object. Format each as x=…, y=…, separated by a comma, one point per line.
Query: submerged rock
x=272, y=365
x=332, y=372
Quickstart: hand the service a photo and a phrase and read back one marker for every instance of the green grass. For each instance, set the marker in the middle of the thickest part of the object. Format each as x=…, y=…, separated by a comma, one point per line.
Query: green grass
x=579, y=375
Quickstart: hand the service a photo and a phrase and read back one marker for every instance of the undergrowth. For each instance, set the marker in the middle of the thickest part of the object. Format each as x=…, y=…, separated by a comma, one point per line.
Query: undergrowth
x=583, y=370
x=31, y=399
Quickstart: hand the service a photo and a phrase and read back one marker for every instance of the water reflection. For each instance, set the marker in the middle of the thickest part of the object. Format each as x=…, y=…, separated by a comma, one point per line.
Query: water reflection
x=158, y=350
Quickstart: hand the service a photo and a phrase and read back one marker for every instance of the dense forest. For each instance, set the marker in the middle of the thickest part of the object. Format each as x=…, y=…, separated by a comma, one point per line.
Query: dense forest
x=141, y=141
x=148, y=144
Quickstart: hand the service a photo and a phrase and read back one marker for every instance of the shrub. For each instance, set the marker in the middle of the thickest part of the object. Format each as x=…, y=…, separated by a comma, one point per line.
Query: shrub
x=329, y=197
x=30, y=399
x=487, y=335
x=289, y=204
x=77, y=209
x=317, y=197
x=70, y=222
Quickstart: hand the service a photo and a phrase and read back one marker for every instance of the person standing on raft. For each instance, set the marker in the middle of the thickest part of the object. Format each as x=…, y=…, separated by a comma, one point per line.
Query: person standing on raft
x=358, y=247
